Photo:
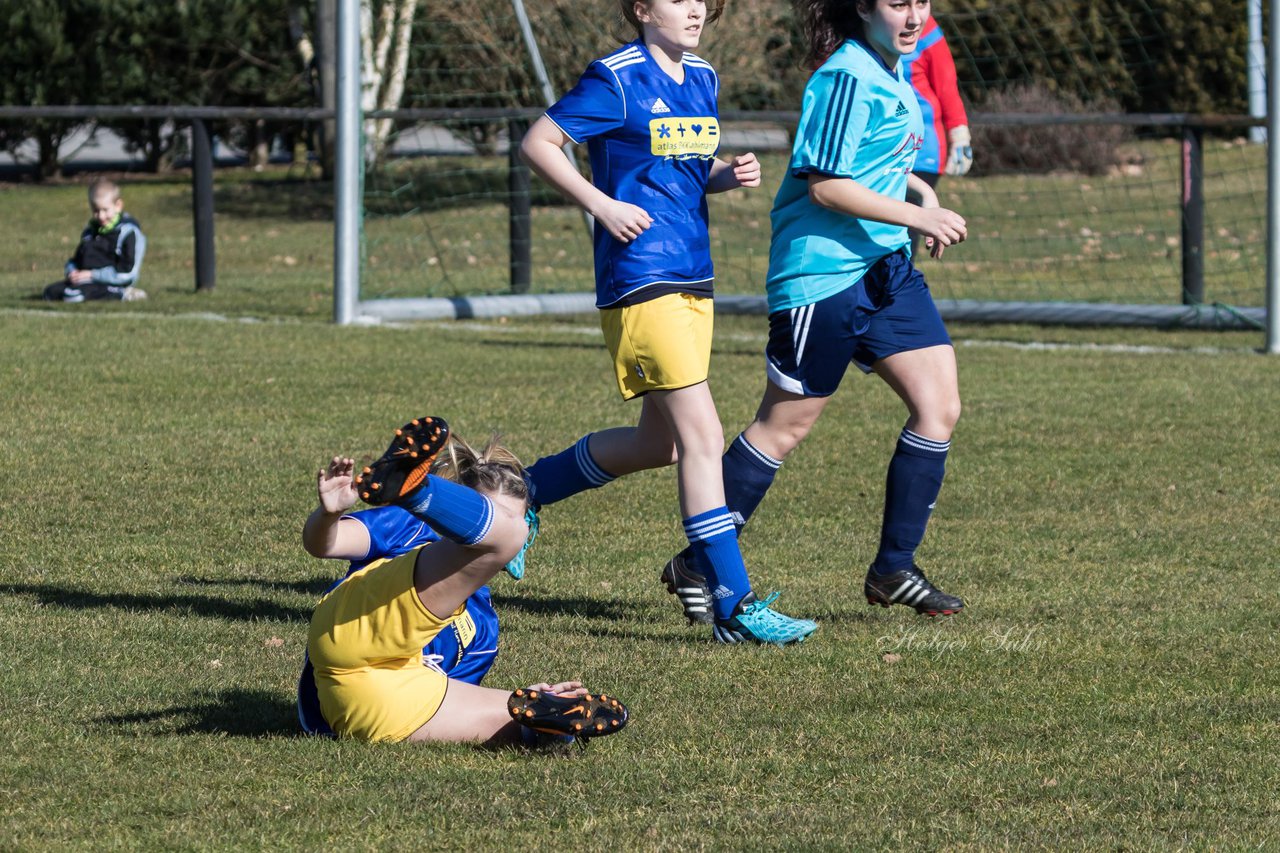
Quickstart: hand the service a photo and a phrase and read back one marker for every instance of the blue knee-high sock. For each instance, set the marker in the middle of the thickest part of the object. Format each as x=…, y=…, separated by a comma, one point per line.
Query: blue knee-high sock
x=714, y=540
x=911, y=488
x=454, y=511
x=573, y=470
x=748, y=473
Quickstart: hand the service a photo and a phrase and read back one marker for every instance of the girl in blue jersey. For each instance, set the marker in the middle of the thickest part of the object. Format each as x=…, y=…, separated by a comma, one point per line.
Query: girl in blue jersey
x=396, y=649
x=465, y=650
x=648, y=113
x=842, y=288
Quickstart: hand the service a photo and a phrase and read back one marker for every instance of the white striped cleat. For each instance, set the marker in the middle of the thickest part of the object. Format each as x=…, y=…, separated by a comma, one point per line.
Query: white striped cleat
x=910, y=588
x=690, y=588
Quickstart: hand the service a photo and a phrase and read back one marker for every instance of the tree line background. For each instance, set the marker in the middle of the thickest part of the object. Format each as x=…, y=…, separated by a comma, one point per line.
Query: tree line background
x=1171, y=56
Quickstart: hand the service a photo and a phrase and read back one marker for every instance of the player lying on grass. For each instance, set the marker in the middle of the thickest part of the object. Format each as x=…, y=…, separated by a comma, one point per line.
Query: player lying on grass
x=395, y=649
x=465, y=650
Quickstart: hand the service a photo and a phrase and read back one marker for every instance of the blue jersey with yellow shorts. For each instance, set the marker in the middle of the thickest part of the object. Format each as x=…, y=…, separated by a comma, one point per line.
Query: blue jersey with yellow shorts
x=652, y=142
x=463, y=647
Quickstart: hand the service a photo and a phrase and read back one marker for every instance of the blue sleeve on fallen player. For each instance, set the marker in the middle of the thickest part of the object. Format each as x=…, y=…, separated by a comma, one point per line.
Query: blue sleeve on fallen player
x=393, y=531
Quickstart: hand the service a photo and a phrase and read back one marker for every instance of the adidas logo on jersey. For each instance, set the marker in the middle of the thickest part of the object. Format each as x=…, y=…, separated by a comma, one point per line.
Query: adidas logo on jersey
x=900, y=111
x=659, y=107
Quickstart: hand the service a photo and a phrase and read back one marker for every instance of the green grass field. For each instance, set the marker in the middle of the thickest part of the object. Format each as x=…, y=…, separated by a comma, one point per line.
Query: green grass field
x=1109, y=515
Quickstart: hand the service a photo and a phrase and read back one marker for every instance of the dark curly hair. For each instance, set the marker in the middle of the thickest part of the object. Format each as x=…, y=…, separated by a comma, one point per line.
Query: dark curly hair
x=826, y=24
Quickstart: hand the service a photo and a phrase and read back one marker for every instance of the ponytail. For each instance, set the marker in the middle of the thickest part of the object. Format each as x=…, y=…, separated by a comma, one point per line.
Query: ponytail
x=492, y=469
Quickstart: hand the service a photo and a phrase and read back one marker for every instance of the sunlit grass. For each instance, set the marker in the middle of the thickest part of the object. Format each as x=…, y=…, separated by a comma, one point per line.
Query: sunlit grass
x=1108, y=515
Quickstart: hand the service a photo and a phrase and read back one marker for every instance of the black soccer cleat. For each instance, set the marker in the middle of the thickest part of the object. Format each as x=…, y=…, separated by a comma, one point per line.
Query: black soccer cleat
x=911, y=588
x=690, y=587
x=406, y=463
x=583, y=717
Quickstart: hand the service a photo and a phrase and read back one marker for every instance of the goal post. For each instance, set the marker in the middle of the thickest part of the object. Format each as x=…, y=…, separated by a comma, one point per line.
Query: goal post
x=1273, y=186
x=423, y=231
x=348, y=177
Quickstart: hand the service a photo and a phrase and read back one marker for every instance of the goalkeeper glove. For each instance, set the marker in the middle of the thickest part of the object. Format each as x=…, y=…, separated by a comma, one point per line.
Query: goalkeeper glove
x=960, y=158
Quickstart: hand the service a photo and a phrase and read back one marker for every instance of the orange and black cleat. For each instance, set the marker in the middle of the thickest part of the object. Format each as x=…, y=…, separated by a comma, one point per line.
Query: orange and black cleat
x=583, y=717
x=405, y=465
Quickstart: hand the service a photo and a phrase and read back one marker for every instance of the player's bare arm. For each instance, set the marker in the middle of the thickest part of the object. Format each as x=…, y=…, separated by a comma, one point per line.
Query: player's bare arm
x=843, y=195
x=326, y=533
x=542, y=150
x=742, y=171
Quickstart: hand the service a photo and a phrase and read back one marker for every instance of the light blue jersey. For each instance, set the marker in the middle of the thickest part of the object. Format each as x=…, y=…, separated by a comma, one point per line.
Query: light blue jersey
x=859, y=120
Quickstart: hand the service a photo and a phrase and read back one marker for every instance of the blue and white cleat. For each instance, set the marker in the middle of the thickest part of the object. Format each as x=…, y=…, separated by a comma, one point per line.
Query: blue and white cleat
x=755, y=621
x=516, y=567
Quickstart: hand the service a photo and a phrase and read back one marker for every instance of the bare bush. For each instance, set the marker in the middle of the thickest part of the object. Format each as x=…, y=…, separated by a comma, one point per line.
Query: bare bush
x=1091, y=149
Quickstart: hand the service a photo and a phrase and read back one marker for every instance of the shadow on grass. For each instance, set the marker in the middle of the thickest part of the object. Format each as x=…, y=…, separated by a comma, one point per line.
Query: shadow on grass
x=178, y=605
x=259, y=609
x=237, y=712
x=291, y=200
x=591, y=608
x=315, y=587
x=426, y=186
x=287, y=199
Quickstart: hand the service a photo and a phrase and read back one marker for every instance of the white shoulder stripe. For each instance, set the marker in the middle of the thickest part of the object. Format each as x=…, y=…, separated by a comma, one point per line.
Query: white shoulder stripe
x=622, y=56
x=621, y=65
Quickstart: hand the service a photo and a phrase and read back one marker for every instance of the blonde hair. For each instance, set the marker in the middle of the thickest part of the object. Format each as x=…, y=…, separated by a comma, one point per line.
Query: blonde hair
x=102, y=186
x=715, y=8
x=493, y=469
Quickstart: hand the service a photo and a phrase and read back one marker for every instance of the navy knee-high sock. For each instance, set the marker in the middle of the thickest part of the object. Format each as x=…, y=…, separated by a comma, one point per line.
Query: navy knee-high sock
x=748, y=474
x=554, y=478
x=454, y=511
x=911, y=489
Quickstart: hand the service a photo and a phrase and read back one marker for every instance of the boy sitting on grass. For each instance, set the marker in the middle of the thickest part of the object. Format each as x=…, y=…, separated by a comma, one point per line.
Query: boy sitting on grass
x=109, y=257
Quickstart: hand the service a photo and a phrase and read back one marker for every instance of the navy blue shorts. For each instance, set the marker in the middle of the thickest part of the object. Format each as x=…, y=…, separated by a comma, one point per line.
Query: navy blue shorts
x=889, y=311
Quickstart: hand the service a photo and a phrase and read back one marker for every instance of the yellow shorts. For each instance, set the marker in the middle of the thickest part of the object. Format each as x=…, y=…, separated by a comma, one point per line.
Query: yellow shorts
x=365, y=642
x=661, y=344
